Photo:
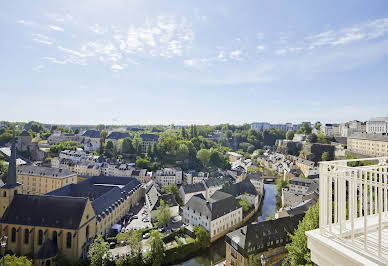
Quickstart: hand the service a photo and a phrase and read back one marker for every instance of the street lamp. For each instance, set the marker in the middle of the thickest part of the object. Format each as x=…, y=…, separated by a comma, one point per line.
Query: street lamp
x=3, y=243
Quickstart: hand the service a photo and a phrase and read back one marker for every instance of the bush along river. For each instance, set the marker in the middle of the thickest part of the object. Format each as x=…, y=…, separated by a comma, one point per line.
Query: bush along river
x=216, y=252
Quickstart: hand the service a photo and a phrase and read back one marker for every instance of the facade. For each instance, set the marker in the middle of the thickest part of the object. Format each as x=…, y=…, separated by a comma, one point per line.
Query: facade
x=377, y=125
x=300, y=189
x=304, y=165
x=218, y=215
x=330, y=130
x=352, y=226
x=41, y=180
x=189, y=190
x=75, y=156
x=25, y=144
x=245, y=245
x=148, y=140
x=213, y=184
x=257, y=182
x=348, y=128
x=168, y=176
x=57, y=136
x=91, y=140
x=245, y=187
x=153, y=199
x=261, y=126
x=193, y=177
x=368, y=144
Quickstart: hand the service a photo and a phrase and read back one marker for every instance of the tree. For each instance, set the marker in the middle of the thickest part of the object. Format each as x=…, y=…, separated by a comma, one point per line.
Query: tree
x=126, y=146
x=131, y=239
x=109, y=145
x=204, y=156
x=182, y=153
x=305, y=129
x=312, y=138
x=325, y=156
x=157, y=254
x=142, y=163
x=202, y=236
x=12, y=260
x=290, y=134
x=244, y=202
x=183, y=133
x=298, y=253
x=103, y=136
x=216, y=159
x=163, y=214
x=173, y=189
x=168, y=142
x=99, y=252
x=321, y=137
x=3, y=171
x=138, y=144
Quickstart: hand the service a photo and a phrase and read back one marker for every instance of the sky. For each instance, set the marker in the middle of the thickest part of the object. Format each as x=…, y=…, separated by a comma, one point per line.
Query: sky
x=193, y=62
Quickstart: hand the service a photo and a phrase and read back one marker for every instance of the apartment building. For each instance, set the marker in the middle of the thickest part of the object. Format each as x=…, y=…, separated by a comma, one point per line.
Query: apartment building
x=348, y=128
x=168, y=176
x=330, y=130
x=193, y=177
x=75, y=156
x=189, y=190
x=218, y=215
x=148, y=140
x=300, y=189
x=247, y=245
x=377, y=125
x=153, y=199
x=368, y=144
x=41, y=180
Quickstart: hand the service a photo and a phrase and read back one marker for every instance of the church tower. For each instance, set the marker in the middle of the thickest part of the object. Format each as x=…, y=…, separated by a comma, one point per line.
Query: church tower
x=11, y=187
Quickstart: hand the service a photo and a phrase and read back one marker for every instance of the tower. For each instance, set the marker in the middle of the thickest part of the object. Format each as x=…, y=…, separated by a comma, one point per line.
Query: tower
x=11, y=187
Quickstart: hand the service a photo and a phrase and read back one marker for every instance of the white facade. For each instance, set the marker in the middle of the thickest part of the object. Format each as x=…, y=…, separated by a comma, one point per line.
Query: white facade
x=348, y=128
x=377, y=125
x=330, y=130
x=168, y=176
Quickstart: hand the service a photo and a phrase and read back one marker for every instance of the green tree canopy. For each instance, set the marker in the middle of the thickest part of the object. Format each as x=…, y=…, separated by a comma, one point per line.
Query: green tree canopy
x=298, y=253
x=182, y=153
x=12, y=260
x=244, y=202
x=99, y=252
x=204, y=156
x=290, y=134
x=305, y=129
x=127, y=146
x=325, y=156
x=157, y=254
x=312, y=138
x=173, y=189
x=142, y=163
x=163, y=213
x=131, y=239
x=202, y=236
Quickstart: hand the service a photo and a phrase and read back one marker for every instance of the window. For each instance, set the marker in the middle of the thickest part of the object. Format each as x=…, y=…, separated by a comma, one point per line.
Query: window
x=87, y=232
x=68, y=240
x=13, y=234
x=40, y=237
x=55, y=237
x=26, y=236
x=5, y=194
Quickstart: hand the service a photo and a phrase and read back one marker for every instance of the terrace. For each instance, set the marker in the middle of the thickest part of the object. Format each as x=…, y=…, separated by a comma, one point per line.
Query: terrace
x=353, y=215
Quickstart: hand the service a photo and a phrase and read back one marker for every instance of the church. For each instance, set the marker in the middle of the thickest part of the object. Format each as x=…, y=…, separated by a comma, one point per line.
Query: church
x=65, y=220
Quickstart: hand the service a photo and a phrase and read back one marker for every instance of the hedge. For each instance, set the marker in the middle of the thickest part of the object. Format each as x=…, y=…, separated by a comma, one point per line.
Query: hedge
x=180, y=253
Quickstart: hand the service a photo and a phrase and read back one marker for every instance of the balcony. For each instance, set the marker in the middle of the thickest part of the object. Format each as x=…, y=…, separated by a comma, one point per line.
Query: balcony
x=353, y=213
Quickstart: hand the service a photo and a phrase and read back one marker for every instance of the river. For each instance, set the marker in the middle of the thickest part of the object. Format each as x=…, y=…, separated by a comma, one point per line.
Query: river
x=216, y=252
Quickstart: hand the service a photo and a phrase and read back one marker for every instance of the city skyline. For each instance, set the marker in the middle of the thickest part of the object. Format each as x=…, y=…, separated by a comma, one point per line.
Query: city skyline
x=137, y=63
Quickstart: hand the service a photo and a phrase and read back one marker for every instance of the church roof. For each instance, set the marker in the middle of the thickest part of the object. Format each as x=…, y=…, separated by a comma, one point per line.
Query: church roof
x=45, y=210
x=25, y=133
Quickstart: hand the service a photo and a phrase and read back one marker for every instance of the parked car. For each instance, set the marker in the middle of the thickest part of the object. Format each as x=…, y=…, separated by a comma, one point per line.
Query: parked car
x=134, y=217
x=112, y=245
x=146, y=236
x=162, y=230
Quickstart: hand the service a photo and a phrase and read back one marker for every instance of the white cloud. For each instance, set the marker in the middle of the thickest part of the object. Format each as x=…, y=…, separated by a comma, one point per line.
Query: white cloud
x=236, y=55
x=56, y=28
x=117, y=67
x=73, y=52
x=260, y=48
x=60, y=18
x=281, y=51
x=27, y=23
x=40, y=38
x=98, y=29
x=39, y=68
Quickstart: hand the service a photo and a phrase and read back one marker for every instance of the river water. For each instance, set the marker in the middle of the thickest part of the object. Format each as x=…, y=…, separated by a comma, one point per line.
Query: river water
x=216, y=252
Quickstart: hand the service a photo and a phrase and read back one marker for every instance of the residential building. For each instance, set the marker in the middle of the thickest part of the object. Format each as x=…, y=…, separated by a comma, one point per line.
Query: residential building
x=148, y=140
x=233, y=156
x=300, y=208
x=215, y=183
x=218, y=215
x=73, y=155
x=168, y=176
x=348, y=128
x=300, y=190
x=261, y=126
x=246, y=245
x=116, y=136
x=352, y=214
x=57, y=137
x=304, y=165
x=41, y=180
x=153, y=199
x=189, y=190
x=142, y=175
x=241, y=189
x=330, y=130
x=193, y=177
x=91, y=140
x=257, y=182
x=368, y=144
x=377, y=125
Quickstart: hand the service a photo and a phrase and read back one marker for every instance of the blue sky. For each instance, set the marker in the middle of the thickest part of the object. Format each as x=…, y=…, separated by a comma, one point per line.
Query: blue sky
x=183, y=62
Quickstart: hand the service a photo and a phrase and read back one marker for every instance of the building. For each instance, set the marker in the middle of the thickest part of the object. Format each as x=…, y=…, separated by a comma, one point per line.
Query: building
x=25, y=144
x=116, y=136
x=41, y=180
x=215, y=183
x=148, y=140
x=245, y=245
x=153, y=199
x=193, y=177
x=261, y=126
x=377, y=125
x=218, y=215
x=304, y=165
x=300, y=189
x=189, y=190
x=168, y=176
x=257, y=182
x=57, y=136
x=330, y=130
x=245, y=187
x=352, y=227
x=91, y=140
x=233, y=156
x=73, y=155
x=348, y=128
x=368, y=144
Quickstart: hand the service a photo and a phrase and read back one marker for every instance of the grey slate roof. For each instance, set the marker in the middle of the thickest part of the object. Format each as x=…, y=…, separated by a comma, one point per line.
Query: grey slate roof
x=45, y=210
x=118, y=135
x=92, y=134
x=43, y=171
x=168, y=199
x=149, y=137
x=369, y=136
x=217, y=181
x=25, y=133
x=219, y=204
x=240, y=188
x=192, y=188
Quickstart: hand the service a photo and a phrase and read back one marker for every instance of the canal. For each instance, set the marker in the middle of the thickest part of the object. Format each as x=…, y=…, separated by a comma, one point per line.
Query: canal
x=216, y=253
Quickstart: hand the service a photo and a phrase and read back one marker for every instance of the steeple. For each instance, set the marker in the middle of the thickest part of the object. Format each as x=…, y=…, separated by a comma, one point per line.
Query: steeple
x=11, y=177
